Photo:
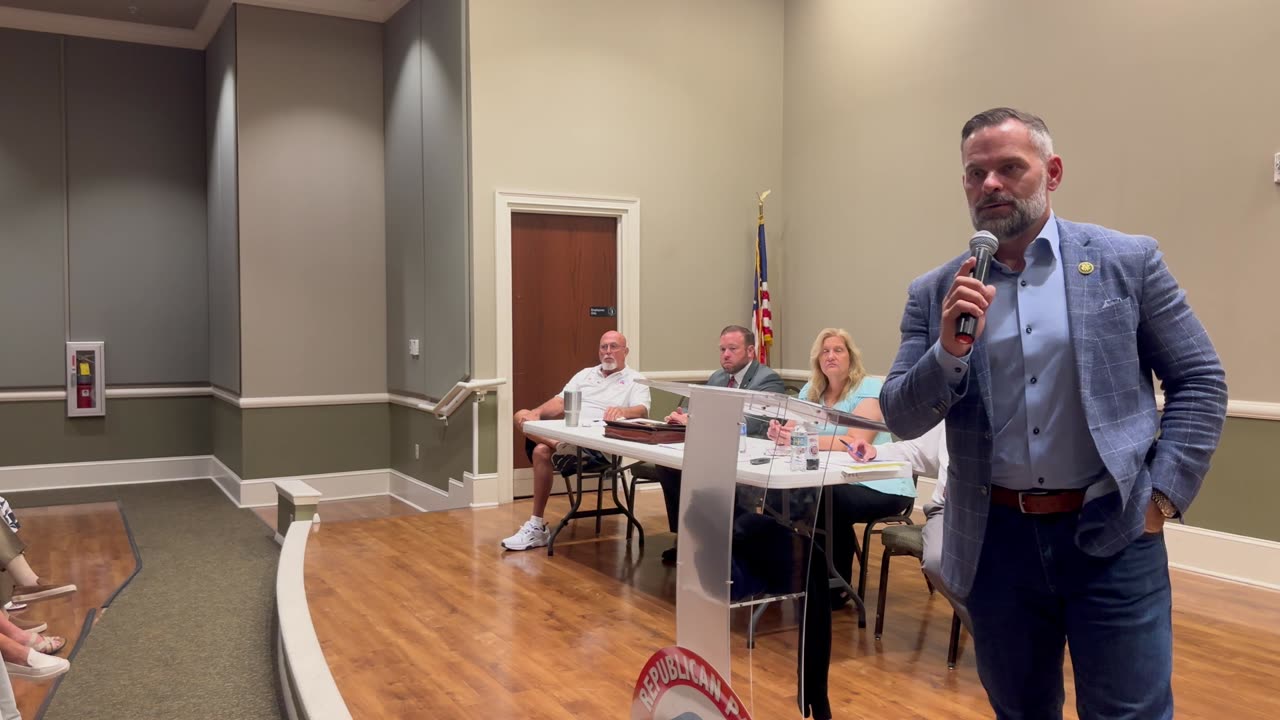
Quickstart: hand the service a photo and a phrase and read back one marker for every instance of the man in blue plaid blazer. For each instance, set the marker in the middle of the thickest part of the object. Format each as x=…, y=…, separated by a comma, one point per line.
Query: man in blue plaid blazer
x=1062, y=470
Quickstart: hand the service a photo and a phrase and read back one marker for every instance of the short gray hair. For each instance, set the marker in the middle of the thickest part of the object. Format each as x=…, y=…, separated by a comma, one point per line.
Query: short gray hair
x=998, y=116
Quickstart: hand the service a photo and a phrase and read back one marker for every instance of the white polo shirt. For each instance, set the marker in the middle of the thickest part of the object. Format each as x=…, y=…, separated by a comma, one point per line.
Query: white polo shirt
x=600, y=392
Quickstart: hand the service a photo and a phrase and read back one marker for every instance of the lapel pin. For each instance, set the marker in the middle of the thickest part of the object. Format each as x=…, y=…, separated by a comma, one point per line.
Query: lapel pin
x=1086, y=268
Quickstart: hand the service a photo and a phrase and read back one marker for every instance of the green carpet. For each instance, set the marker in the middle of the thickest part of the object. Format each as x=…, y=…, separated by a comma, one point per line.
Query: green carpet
x=190, y=636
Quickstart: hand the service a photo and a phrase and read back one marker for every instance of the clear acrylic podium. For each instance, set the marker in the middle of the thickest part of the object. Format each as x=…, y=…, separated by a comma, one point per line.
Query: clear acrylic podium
x=713, y=469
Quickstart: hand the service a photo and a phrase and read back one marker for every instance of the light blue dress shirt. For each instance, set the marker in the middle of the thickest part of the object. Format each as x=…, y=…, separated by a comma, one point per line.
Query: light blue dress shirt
x=868, y=388
x=1041, y=437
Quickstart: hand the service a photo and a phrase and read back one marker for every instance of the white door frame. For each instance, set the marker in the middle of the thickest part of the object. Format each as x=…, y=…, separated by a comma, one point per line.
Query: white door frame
x=627, y=212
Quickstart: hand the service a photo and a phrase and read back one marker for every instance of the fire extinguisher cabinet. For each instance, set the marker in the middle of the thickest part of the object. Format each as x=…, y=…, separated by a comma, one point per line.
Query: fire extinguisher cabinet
x=86, y=380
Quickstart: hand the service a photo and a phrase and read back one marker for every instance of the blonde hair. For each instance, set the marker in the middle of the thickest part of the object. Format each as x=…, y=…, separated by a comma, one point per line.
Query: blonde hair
x=818, y=381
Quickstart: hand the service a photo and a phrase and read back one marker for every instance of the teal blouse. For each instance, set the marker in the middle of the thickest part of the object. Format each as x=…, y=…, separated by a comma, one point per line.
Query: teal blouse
x=868, y=388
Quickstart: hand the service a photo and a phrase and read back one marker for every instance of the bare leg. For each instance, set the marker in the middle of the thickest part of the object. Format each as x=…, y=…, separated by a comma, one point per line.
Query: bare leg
x=543, y=474
x=21, y=571
x=14, y=651
x=13, y=632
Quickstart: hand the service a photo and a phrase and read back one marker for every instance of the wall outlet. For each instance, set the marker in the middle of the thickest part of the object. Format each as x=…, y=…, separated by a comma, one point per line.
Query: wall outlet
x=1276, y=170
x=414, y=348
x=416, y=452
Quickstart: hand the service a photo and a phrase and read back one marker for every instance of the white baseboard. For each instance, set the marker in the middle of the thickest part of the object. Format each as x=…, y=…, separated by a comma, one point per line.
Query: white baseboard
x=346, y=486
x=484, y=489
x=1237, y=558
x=226, y=480
x=1222, y=555
x=331, y=486
x=247, y=493
x=17, y=478
x=427, y=497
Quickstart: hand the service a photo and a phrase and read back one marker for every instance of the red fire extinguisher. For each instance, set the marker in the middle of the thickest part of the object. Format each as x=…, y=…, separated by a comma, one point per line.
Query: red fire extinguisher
x=84, y=385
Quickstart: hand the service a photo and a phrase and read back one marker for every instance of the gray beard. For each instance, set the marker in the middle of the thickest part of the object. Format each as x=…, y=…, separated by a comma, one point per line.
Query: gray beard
x=1025, y=214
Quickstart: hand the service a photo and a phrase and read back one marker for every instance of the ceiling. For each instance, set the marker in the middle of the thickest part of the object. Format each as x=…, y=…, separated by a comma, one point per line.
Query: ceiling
x=178, y=23
x=167, y=13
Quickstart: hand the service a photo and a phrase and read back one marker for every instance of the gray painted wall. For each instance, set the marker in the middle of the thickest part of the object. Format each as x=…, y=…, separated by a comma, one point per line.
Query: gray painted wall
x=312, y=213
x=428, y=200
x=447, y=180
x=223, y=207
x=406, y=245
x=32, y=210
x=136, y=211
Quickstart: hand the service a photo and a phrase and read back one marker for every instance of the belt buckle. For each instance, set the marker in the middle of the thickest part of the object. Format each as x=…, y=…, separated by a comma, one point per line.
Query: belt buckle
x=1022, y=506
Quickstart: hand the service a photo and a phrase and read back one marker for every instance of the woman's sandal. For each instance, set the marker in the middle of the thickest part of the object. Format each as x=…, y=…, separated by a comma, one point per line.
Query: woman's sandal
x=47, y=644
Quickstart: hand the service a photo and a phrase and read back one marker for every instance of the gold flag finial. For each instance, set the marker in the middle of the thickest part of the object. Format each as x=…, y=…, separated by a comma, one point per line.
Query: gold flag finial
x=761, y=196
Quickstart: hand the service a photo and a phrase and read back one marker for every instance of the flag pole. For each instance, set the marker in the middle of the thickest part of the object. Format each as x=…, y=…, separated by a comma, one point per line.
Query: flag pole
x=762, y=347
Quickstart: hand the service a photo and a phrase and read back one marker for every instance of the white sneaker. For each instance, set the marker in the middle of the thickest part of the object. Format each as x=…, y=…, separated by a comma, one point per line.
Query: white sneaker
x=39, y=667
x=530, y=535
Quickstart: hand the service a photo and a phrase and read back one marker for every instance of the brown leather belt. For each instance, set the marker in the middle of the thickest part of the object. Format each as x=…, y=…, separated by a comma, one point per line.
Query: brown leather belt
x=1033, y=502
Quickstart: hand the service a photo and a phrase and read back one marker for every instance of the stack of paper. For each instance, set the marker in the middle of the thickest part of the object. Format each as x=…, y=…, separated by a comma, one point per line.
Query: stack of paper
x=877, y=471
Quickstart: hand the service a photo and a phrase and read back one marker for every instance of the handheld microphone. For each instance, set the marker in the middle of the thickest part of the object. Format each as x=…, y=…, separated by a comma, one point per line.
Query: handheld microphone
x=983, y=245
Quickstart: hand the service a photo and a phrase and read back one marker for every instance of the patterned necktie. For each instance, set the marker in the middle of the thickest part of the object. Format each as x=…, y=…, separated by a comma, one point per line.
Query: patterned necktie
x=733, y=381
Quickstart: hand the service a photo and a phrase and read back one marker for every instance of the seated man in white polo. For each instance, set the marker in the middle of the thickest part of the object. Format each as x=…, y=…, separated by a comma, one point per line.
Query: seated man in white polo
x=928, y=457
x=609, y=392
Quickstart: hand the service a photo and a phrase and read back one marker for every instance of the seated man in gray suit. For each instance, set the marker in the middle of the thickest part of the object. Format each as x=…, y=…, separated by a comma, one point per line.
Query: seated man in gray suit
x=738, y=369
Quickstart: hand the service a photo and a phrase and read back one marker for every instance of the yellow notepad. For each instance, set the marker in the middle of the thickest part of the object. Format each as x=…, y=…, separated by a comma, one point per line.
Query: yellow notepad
x=877, y=470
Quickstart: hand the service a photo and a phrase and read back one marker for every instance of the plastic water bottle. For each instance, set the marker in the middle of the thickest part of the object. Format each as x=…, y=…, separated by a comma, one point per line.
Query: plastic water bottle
x=811, y=455
x=742, y=438
x=799, y=448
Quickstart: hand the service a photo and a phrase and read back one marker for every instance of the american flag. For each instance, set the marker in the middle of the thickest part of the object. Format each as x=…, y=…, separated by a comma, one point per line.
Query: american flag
x=761, y=316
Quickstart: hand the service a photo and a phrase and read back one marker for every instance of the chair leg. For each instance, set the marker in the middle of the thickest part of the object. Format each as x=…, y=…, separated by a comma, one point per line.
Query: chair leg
x=953, y=648
x=756, y=612
x=884, y=587
x=928, y=583
x=629, y=492
x=865, y=555
x=600, y=497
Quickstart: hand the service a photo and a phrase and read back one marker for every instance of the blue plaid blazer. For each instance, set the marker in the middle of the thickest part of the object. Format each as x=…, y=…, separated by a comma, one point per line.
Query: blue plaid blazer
x=1128, y=320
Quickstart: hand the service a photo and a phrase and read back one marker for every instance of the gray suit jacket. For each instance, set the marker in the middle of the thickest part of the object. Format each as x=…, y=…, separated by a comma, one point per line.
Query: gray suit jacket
x=1128, y=319
x=758, y=377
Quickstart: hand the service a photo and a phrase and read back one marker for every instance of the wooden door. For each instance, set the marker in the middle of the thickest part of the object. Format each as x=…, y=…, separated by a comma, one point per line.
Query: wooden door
x=564, y=296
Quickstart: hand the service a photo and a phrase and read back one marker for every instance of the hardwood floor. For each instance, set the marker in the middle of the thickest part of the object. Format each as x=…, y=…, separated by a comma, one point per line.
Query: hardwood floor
x=425, y=616
x=83, y=544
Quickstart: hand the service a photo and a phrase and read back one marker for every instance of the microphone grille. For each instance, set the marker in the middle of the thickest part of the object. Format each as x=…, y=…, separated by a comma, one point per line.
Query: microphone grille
x=983, y=240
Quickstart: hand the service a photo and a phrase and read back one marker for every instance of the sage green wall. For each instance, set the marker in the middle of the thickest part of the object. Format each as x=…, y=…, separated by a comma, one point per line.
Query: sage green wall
x=281, y=442
x=227, y=438
x=662, y=403
x=36, y=433
x=1240, y=494
x=489, y=435
x=444, y=450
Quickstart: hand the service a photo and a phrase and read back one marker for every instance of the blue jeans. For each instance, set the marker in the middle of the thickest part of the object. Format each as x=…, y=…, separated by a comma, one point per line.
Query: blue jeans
x=1035, y=592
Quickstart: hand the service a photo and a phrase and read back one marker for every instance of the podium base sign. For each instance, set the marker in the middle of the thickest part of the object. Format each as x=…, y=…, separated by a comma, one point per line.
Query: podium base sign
x=677, y=684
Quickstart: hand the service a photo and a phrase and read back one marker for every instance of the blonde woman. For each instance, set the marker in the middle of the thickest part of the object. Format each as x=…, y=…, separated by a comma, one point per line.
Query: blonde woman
x=840, y=381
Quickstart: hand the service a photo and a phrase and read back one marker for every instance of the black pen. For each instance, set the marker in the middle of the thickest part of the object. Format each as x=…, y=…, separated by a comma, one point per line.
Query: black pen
x=856, y=455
